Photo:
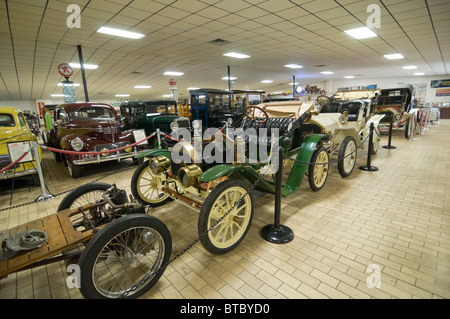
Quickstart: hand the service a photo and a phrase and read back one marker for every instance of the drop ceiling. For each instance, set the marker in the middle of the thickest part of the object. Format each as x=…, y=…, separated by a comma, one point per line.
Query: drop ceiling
x=191, y=36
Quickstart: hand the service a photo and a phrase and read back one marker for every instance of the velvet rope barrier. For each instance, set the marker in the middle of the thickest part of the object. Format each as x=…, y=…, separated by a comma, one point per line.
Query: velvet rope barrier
x=95, y=153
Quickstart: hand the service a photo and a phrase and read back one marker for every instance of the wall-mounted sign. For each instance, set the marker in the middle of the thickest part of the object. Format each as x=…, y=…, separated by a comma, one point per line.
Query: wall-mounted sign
x=440, y=83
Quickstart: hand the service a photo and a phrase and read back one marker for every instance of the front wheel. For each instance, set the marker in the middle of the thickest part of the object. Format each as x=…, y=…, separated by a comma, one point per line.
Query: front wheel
x=347, y=156
x=146, y=186
x=318, y=169
x=229, y=231
x=126, y=258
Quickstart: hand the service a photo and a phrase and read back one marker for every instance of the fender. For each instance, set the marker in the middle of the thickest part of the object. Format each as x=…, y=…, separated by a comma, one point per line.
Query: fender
x=300, y=166
x=153, y=153
x=366, y=130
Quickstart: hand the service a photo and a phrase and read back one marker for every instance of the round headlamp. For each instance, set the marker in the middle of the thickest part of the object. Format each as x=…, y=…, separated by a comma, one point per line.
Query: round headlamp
x=189, y=174
x=77, y=144
x=230, y=121
x=398, y=117
x=159, y=164
x=174, y=126
x=343, y=119
x=196, y=124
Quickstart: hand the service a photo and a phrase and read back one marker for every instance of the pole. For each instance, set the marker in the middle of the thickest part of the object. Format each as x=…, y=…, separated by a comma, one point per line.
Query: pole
x=389, y=146
x=276, y=233
x=229, y=79
x=369, y=167
x=83, y=76
x=45, y=196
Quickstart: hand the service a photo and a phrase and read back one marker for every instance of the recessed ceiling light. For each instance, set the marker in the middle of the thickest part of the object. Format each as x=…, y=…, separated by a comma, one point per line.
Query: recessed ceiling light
x=419, y=73
x=231, y=78
x=86, y=66
x=142, y=86
x=410, y=67
x=349, y=77
x=62, y=84
x=327, y=72
x=236, y=55
x=394, y=56
x=293, y=66
x=266, y=81
x=189, y=89
x=167, y=95
x=122, y=95
x=361, y=33
x=121, y=33
x=174, y=73
x=58, y=95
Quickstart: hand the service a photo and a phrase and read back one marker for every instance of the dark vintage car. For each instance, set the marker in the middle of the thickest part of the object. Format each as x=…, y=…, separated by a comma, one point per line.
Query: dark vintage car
x=214, y=107
x=89, y=127
x=151, y=115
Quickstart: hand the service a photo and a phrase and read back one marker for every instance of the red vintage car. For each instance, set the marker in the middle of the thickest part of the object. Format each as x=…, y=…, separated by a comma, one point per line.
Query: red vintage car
x=89, y=127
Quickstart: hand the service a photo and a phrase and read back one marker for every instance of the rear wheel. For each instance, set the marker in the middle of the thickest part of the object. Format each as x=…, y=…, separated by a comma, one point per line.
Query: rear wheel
x=128, y=256
x=318, y=169
x=230, y=230
x=347, y=156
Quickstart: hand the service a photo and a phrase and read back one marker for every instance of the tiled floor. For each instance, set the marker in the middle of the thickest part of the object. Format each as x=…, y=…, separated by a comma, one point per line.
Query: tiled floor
x=396, y=219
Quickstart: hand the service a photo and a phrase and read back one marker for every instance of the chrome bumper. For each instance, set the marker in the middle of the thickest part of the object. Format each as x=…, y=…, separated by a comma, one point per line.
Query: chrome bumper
x=100, y=158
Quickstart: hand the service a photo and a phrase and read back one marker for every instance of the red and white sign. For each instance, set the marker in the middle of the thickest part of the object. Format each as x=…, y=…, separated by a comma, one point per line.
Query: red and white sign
x=172, y=82
x=65, y=70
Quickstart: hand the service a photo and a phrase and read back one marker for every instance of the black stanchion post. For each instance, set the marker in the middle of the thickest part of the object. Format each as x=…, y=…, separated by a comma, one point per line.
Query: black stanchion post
x=389, y=146
x=369, y=167
x=277, y=233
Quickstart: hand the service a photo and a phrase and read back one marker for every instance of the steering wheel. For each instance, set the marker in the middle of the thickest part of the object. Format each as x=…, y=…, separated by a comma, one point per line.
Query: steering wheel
x=250, y=112
x=385, y=99
x=323, y=100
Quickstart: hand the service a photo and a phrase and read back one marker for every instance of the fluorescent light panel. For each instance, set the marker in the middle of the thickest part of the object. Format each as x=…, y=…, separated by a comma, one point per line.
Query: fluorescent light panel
x=410, y=67
x=231, y=78
x=120, y=33
x=293, y=66
x=327, y=72
x=57, y=95
x=174, y=73
x=394, y=56
x=266, y=81
x=122, y=95
x=361, y=33
x=86, y=66
x=236, y=55
x=419, y=73
x=349, y=77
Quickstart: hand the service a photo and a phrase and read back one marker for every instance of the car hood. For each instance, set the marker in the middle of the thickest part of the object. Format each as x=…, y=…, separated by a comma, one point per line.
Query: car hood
x=108, y=129
x=11, y=134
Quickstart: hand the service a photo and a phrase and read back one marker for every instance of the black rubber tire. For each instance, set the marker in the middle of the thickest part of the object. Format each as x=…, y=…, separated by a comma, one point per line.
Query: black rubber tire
x=341, y=167
x=78, y=192
x=408, y=128
x=312, y=183
x=135, y=179
x=204, y=217
x=104, y=236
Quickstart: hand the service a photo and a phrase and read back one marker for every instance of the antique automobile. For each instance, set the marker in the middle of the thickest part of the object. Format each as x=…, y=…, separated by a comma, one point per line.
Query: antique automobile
x=89, y=127
x=16, y=137
x=215, y=184
x=348, y=122
x=396, y=104
x=214, y=107
x=119, y=251
x=152, y=115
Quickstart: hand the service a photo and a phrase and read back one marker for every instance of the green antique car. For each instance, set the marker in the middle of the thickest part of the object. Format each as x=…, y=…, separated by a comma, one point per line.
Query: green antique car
x=216, y=184
x=151, y=115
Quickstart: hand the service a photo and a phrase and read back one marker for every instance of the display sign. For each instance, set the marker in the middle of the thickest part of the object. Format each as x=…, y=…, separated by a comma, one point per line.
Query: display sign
x=16, y=150
x=443, y=92
x=139, y=135
x=65, y=70
x=440, y=83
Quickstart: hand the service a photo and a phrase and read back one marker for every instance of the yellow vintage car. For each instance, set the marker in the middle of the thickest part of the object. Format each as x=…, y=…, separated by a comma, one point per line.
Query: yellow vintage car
x=16, y=137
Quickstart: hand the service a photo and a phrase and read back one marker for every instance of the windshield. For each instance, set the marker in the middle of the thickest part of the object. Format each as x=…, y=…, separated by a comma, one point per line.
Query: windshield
x=7, y=120
x=219, y=103
x=95, y=113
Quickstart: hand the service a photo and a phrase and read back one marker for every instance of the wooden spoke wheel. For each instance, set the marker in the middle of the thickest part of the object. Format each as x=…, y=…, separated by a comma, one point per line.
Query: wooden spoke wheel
x=318, y=169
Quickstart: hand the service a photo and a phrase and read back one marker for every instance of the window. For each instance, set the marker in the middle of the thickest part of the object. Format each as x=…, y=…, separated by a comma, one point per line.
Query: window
x=7, y=120
x=97, y=113
x=22, y=121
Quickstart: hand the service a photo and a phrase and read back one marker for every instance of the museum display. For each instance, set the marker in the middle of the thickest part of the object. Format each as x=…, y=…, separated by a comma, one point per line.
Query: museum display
x=16, y=137
x=89, y=127
x=121, y=252
x=214, y=185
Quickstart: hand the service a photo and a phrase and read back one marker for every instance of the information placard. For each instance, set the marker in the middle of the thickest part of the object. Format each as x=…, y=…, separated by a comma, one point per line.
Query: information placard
x=16, y=150
x=139, y=135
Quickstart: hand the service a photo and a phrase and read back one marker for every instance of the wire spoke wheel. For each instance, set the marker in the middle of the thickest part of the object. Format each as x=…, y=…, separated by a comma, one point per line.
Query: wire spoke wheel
x=230, y=230
x=318, y=169
x=128, y=255
x=146, y=186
